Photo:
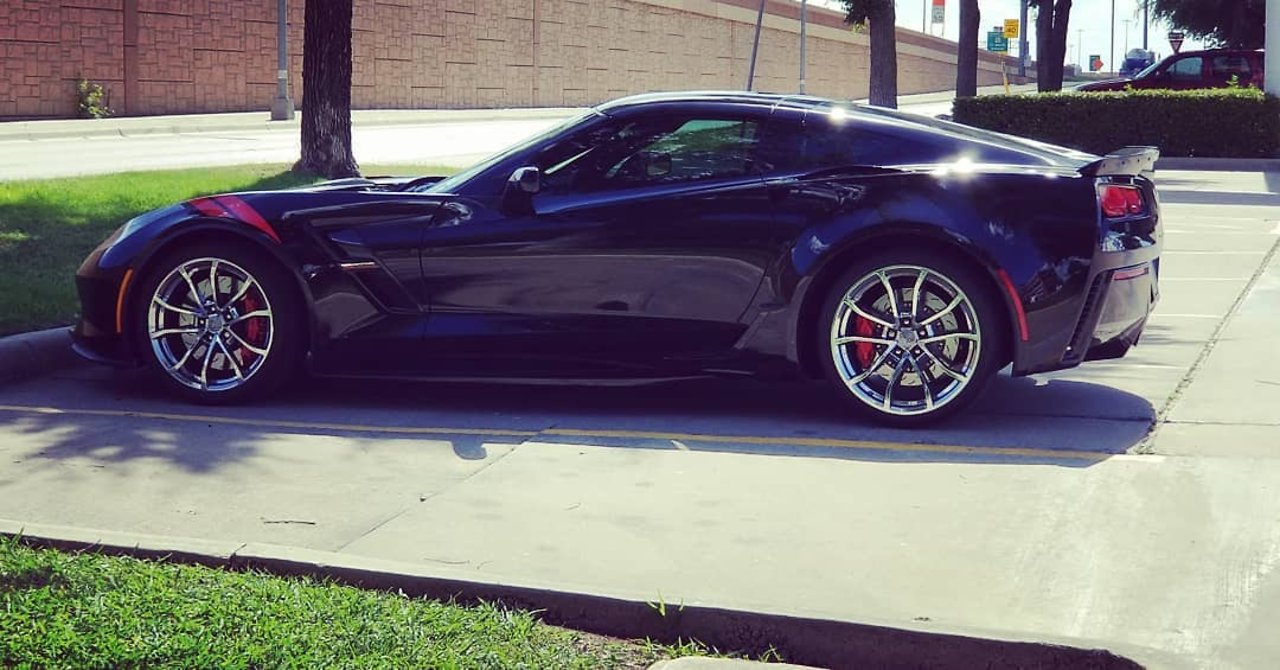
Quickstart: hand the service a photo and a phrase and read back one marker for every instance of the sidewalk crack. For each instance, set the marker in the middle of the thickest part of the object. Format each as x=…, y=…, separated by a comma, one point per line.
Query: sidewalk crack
x=1162, y=417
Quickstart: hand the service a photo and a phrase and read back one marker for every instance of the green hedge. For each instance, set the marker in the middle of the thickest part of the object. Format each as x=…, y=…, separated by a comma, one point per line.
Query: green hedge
x=1222, y=123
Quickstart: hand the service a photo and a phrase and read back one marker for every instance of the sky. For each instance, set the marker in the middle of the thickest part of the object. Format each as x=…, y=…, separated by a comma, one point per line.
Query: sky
x=1093, y=17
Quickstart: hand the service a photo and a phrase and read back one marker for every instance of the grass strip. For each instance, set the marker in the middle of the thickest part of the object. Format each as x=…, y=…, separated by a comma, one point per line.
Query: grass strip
x=48, y=226
x=87, y=610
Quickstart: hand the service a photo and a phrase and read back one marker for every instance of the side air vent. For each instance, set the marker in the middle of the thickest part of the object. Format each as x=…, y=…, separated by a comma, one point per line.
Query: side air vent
x=1082, y=336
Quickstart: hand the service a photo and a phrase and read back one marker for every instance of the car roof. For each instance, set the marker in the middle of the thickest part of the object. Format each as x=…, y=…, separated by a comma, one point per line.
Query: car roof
x=1217, y=51
x=729, y=97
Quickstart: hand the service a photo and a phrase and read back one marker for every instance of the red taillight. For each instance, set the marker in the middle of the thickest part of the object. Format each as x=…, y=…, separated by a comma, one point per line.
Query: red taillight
x=1119, y=200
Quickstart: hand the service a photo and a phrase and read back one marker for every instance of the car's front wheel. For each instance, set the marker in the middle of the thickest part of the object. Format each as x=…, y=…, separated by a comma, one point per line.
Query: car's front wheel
x=909, y=337
x=218, y=322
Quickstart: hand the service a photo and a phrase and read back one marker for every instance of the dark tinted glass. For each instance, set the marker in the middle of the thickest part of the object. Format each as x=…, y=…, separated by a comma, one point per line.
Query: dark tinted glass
x=650, y=151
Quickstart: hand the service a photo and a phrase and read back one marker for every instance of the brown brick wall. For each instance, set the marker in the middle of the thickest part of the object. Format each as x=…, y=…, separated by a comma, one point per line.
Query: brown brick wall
x=219, y=55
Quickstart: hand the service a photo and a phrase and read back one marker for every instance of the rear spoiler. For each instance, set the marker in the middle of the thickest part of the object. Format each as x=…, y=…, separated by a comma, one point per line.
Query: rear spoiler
x=1132, y=161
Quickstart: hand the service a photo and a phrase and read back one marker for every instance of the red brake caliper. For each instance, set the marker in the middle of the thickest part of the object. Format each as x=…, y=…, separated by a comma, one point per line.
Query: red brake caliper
x=252, y=329
x=864, y=351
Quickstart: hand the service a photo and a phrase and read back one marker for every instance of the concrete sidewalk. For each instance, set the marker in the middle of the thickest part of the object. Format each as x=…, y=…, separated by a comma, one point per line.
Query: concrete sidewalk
x=256, y=121
x=360, y=118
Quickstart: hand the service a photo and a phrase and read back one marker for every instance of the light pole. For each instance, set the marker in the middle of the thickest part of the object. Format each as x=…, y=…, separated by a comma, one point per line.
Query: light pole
x=1084, y=67
x=1126, y=23
x=282, y=106
x=804, y=21
x=1022, y=40
x=755, y=47
x=1113, y=37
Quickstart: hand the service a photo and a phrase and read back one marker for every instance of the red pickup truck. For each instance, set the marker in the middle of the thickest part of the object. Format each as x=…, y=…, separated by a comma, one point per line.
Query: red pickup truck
x=1213, y=68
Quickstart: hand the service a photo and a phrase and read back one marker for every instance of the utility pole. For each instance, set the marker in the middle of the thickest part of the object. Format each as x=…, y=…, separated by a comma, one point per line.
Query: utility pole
x=1113, y=37
x=755, y=47
x=1126, y=23
x=1272, y=82
x=804, y=22
x=1022, y=40
x=282, y=106
x=1080, y=50
x=1146, y=22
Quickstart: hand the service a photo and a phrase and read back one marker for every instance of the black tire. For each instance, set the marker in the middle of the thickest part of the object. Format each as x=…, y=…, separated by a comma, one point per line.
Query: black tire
x=269, y=288
x=918, y=404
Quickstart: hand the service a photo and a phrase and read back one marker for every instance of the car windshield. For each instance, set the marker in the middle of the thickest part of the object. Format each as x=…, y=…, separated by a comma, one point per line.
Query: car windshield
x=1149, y=69
x=451, y=184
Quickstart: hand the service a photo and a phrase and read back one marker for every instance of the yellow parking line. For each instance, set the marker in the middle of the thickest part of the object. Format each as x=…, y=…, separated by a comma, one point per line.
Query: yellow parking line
x=679, y=439
x=873, y=445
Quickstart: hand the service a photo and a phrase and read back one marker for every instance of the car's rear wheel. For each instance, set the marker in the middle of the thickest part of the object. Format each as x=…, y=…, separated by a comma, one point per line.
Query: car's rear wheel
x=218, y=322
x=909, y=337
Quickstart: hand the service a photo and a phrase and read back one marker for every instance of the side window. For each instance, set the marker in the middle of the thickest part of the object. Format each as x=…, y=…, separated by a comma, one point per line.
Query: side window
x=1187, y=69
x=651, y=151
x=1225, y=67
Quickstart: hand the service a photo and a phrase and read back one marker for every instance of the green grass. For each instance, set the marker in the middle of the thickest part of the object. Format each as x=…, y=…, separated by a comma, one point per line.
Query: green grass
x=85, y=610
x=48, y=226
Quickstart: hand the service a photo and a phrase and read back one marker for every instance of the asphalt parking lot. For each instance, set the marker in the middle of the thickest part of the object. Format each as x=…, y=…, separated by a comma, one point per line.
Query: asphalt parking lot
x=1049, y=511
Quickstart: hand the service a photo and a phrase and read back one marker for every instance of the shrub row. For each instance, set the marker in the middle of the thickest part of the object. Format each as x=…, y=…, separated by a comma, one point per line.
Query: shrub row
x=1221, y=123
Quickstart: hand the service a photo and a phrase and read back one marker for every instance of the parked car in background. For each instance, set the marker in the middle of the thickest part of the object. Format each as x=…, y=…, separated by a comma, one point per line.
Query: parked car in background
x=1136, y=61
x=1214, y=68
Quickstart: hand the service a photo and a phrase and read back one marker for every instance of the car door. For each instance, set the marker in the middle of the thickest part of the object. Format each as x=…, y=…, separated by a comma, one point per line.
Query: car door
x=1224, y=69
x=1187, y=72
x=643, y=249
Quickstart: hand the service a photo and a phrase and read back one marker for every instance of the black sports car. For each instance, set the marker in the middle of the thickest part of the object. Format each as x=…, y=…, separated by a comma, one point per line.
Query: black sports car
x=902, y=259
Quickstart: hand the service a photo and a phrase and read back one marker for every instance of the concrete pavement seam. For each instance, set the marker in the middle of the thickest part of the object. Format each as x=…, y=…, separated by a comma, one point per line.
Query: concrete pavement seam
x=27, y=355
x=1148, y=445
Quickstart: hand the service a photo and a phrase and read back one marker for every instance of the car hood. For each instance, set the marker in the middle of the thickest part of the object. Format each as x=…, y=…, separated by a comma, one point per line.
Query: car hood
x=1105, y=83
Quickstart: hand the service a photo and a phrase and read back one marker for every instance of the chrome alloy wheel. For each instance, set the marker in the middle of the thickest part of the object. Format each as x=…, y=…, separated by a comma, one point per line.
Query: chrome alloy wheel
x=210, y=324
x=905, y=340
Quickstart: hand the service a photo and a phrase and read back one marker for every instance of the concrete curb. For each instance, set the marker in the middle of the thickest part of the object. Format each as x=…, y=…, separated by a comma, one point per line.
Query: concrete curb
x=17, y=131
x=814, y=642
x=30, y=354
x=1218, y=164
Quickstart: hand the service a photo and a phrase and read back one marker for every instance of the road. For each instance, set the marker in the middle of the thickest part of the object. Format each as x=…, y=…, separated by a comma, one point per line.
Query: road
x=1045, y=513
x=459, y=141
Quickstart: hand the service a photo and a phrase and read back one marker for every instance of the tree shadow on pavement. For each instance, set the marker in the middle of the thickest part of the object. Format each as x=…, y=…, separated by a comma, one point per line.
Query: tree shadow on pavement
x=122, y=417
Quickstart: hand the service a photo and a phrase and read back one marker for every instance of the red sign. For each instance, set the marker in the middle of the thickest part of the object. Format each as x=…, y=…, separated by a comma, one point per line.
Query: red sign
x=1175, y=39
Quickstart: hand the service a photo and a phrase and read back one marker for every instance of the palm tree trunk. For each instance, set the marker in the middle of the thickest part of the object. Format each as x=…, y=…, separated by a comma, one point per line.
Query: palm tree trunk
x=884, y=56
x=326, y=84
x=1061, y=19
x=967, y=58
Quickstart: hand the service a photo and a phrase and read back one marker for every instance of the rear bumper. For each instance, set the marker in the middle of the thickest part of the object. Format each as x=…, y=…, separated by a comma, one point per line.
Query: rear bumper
x=1121, y=292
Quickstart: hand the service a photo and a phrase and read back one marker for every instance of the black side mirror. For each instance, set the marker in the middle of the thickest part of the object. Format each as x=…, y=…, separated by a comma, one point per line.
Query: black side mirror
x=517, y=197
x=526, y=180
x=657, y=165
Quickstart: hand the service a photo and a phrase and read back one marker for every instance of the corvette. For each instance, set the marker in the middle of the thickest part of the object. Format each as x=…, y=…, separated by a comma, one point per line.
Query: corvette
x=902, y=260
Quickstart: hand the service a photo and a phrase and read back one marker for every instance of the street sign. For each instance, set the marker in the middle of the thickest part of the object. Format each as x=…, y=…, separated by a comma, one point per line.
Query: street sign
x=1011, y=28
x=1095, y=63
x=997, y=42
x=939, y=11
x=1175, y=39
